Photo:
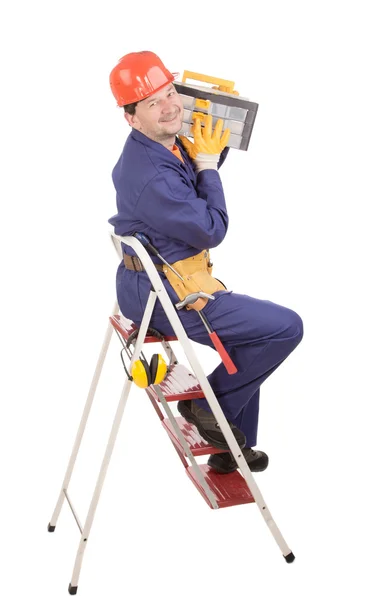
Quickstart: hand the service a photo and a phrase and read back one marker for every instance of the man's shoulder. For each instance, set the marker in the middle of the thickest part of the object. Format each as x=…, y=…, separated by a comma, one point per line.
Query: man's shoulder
x=134, y=163
x=143, y=159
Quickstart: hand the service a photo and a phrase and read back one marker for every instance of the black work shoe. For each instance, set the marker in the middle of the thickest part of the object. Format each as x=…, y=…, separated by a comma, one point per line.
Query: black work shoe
x=207, y=424
x=224, y=462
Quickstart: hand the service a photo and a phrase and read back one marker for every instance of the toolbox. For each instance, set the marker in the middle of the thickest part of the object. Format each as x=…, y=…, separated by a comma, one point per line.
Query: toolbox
x=222, y=102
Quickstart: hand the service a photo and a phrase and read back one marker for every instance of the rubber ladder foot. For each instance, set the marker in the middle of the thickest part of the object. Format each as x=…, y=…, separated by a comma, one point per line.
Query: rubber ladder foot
x=290, y=557
x=51, y=527
x=73, y=589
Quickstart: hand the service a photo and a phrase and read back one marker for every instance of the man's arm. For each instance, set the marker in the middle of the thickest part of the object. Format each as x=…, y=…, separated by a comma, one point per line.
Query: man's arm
x=172, y=207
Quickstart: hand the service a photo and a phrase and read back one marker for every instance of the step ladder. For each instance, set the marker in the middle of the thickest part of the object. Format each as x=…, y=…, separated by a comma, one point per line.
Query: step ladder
x=219, y=491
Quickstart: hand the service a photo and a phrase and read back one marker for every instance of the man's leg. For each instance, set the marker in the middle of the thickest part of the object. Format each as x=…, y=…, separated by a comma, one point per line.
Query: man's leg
x=248, y=418
x=258, y=335
x=246, y=422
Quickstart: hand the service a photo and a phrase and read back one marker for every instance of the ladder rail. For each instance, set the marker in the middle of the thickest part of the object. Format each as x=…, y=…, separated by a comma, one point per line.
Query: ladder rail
x=99, y=484
x=83, y=422
x=111, y=443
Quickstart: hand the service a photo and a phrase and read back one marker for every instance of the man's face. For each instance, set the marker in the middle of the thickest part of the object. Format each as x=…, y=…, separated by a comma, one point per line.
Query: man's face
x=160, y=116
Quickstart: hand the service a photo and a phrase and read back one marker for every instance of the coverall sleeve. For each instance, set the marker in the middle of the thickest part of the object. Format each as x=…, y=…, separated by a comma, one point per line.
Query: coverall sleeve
x=173, y=208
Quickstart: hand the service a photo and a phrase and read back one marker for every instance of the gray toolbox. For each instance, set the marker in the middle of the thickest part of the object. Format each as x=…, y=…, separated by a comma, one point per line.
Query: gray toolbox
x=222, y=102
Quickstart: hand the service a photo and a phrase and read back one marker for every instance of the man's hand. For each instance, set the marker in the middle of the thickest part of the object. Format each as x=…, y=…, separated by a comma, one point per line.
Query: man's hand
x=207, y=146
x=206, y=141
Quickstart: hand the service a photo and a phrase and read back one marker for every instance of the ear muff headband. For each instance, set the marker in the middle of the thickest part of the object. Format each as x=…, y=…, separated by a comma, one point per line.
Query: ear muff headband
x=150, y=331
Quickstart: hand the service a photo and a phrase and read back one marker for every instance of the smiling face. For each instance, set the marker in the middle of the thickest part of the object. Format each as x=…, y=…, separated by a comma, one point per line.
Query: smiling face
x=160, y=116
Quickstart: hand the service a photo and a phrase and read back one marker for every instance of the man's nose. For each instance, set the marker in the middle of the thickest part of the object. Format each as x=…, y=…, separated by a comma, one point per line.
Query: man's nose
x=167, y=105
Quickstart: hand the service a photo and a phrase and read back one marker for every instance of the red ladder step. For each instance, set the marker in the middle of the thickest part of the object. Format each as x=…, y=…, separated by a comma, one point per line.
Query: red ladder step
x=228, y=490
x=179, y=384
x=126, y=327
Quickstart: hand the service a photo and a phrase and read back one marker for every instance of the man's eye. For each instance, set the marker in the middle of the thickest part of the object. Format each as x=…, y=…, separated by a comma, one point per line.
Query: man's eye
x=153, y=104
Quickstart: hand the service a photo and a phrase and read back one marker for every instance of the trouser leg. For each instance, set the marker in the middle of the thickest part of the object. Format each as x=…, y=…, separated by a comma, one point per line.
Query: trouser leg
x=248, y=418
x=259, y=335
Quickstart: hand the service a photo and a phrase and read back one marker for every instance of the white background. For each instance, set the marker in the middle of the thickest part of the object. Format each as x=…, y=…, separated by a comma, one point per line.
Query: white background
x=295, y=201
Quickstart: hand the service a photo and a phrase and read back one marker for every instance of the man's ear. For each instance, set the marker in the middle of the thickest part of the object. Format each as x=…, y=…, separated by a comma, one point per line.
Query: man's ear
x=132, y=120
x=128, y=118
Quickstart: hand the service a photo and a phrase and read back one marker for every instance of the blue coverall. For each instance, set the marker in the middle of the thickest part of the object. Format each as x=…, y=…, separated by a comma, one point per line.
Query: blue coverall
x=183, y=213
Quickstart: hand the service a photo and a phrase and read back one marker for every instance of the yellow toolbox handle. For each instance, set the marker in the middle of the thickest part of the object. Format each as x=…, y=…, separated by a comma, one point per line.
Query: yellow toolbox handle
x=223, y=84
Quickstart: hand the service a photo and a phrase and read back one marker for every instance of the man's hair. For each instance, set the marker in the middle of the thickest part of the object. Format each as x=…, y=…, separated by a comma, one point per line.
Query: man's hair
x=130, y=108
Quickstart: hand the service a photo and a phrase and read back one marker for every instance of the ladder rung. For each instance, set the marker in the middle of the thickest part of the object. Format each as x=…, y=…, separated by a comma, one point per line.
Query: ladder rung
x=229, y=490
x=198, y=446
x=179, y=384
x=126, y=327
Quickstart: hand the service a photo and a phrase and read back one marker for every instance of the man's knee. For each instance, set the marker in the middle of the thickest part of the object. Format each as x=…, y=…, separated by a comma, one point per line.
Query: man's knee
x=292, y=327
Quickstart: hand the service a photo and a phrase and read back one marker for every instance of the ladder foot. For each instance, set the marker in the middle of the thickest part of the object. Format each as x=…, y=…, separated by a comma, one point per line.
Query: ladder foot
x=290, y=557
x=51, y=527
x=73, y=589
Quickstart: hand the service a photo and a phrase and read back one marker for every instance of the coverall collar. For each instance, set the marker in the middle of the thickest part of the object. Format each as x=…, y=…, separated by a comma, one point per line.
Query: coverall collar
x=142, y=138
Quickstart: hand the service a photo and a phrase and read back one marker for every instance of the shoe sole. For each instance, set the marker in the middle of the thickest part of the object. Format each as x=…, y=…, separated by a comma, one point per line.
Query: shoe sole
x=190, y=417
x=221, y=471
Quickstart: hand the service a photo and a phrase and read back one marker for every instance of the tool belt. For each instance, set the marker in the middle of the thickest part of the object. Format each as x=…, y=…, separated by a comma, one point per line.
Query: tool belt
x=133, y=263
x=196, y=272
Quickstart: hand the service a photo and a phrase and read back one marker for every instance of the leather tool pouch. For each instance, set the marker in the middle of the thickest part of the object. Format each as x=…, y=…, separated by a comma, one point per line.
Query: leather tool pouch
x=197, y=275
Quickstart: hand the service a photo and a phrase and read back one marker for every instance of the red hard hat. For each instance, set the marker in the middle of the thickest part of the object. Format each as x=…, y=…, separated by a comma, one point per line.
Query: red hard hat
x=138, y=75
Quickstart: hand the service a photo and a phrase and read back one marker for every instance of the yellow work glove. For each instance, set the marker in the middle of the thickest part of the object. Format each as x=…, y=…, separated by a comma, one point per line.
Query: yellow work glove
x=207, y=146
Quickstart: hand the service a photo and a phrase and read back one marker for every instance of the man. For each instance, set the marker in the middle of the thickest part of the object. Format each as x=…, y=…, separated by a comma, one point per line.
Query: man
x=170, y=190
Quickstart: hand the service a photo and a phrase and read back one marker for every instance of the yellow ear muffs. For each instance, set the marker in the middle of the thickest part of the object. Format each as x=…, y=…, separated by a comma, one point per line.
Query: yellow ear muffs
x=143, y=374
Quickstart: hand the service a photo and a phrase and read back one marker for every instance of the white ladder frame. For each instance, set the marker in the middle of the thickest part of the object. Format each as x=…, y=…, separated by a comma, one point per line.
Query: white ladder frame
x=160, y=292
